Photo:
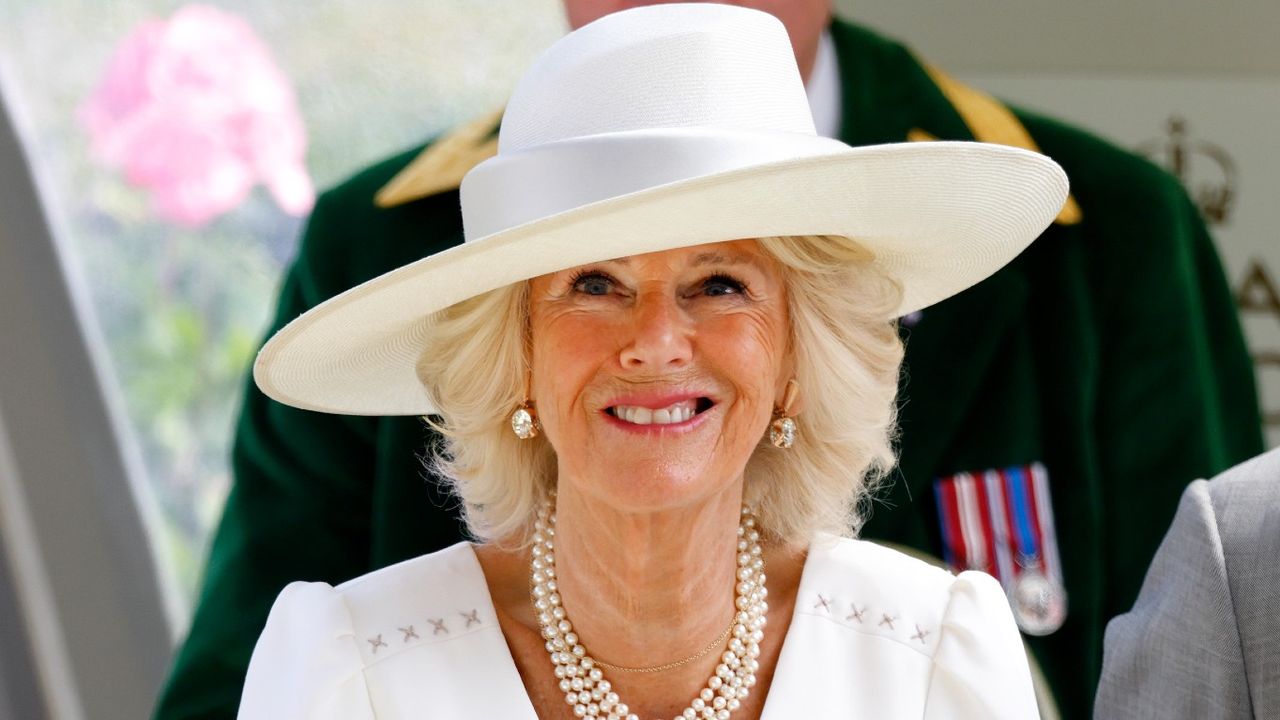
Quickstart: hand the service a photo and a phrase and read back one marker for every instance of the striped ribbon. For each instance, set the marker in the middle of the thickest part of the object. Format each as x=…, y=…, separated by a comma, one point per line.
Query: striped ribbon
x=1000, y=522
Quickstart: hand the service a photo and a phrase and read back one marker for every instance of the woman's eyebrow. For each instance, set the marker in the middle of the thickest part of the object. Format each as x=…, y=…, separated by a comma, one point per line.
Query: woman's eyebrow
x=720, y=258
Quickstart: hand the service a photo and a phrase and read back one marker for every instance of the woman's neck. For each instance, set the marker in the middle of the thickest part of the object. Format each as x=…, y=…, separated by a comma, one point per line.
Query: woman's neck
x=641, y=591
x=646, y=589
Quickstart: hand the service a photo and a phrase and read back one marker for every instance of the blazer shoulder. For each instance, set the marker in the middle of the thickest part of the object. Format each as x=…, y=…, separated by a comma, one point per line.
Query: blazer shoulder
x=871, y=588
x=1257, y=479
x=424, y=600
x=1243, y=503
x=1246, y=505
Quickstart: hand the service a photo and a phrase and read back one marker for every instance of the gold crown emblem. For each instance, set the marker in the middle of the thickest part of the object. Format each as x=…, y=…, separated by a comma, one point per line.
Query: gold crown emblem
x=1205, y=170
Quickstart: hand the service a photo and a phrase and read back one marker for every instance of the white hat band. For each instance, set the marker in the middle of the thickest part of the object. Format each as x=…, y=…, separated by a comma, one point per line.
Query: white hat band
x=521, y=186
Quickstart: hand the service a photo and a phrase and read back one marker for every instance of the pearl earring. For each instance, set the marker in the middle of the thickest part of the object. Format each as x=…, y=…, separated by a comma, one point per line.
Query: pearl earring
x=782, y=431
x=524, y=421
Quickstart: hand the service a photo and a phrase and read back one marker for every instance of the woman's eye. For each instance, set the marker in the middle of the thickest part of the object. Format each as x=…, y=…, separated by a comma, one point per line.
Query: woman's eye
x=722, y=285
x=593, y=284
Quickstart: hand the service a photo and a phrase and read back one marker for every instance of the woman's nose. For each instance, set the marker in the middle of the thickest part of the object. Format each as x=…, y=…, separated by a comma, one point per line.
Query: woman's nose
x=660, y=335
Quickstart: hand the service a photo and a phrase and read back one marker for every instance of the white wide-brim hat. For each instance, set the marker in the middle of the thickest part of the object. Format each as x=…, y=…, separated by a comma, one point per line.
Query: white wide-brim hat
x=657, y=128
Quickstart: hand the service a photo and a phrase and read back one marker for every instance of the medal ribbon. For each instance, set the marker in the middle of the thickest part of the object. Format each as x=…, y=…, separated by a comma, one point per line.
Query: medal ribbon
x=1027, y=542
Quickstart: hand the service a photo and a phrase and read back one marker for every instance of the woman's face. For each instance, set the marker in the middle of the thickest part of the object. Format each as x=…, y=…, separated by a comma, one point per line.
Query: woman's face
x=655, y=376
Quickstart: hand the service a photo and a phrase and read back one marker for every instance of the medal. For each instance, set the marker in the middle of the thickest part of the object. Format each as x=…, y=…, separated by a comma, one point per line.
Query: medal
x=1039, y=604
x=1001, y=522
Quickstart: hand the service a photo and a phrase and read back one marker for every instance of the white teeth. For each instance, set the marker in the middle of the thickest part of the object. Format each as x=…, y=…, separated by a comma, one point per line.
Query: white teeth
x=677, y=413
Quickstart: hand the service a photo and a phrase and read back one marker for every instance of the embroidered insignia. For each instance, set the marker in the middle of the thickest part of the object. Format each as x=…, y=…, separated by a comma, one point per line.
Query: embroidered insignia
x=823, y=603
x=409, y=633
x=885, y=619
x=856, y=614
x=920, y=635
x=375, y=643
x=1001, y=522
x=472, y=618
x=439, y=627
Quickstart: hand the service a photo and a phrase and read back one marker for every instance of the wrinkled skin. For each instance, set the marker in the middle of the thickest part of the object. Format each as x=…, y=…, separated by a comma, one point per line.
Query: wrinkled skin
x=707, y=322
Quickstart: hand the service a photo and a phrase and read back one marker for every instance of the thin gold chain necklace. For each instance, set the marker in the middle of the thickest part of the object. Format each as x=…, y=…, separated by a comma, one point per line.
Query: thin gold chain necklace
x=678, y=663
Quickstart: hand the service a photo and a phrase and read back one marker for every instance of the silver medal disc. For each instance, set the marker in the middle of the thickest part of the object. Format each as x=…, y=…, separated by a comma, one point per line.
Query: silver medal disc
x=1039, y=604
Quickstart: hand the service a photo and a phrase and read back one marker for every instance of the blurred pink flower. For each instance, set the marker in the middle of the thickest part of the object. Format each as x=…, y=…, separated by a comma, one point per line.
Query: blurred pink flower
x=195, y=110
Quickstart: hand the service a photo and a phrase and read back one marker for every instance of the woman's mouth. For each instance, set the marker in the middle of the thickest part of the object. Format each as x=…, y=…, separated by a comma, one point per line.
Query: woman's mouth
x=673, y=414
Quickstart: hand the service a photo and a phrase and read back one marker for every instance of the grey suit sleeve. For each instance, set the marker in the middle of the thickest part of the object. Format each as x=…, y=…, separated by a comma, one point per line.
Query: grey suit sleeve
x=1177, y=653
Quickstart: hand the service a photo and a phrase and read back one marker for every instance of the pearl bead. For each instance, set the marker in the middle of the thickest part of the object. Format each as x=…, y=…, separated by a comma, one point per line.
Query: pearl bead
x=584, y=684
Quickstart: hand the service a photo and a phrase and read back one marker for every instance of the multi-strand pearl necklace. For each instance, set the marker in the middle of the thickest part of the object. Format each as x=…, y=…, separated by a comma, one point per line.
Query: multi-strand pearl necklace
x=581, y=677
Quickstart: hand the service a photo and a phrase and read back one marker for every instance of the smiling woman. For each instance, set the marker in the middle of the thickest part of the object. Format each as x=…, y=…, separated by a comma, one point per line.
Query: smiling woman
x=799, y=284
x=642, y=294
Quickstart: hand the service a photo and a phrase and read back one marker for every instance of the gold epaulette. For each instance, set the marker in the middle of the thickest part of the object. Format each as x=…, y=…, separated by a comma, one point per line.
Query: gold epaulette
x=442, y=164
x=989, y=121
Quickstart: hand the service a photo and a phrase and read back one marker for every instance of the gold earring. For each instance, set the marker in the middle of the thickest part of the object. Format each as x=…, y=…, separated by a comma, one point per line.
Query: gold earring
x=524, y=421
x=782, y=431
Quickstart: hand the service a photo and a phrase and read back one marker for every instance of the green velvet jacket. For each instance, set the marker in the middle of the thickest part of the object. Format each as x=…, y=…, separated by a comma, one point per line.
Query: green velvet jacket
x=1109, y=351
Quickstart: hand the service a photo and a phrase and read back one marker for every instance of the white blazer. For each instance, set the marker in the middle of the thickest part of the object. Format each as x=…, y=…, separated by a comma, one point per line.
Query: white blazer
x=875, y=634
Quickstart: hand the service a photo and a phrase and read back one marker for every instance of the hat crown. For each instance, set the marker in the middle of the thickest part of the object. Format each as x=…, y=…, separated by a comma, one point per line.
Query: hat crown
x=661, y=66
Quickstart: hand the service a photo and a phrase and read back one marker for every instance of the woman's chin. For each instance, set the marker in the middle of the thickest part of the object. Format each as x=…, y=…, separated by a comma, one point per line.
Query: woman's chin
x=648, y=485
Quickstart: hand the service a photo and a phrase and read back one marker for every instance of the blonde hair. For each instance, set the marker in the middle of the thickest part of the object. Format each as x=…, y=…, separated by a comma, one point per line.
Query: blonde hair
x=846, y=355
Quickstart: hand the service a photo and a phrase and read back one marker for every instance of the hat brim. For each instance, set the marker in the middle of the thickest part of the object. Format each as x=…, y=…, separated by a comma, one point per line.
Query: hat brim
x=939, y=217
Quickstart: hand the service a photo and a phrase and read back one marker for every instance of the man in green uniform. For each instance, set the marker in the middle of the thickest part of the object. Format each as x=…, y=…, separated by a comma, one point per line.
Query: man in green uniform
x=1108, y=357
